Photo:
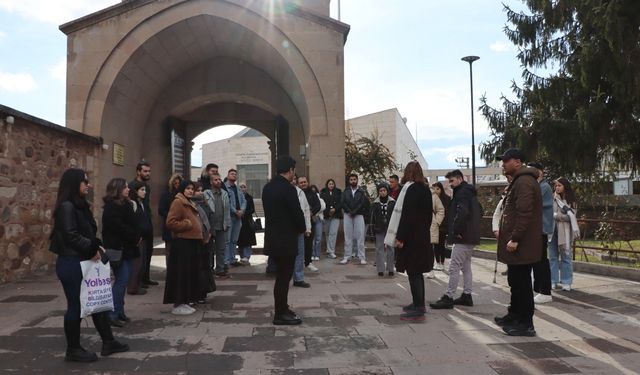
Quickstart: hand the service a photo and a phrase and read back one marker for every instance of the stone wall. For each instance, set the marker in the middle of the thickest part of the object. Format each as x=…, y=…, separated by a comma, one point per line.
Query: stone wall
x=33, y=155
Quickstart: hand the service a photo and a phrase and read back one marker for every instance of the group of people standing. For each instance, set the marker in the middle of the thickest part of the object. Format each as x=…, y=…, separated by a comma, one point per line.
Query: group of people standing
x=205, y=222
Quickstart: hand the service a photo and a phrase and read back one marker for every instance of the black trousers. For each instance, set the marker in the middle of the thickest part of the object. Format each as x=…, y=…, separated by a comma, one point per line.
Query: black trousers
x=284, y=272
x=519, y=278
x=439, y=250
x=148, y=252
x=416, y=283
x=308, y=246
x=542, y=272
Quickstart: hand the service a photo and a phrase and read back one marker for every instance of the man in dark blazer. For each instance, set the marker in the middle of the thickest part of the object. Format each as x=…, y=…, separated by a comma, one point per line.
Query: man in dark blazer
x=284, y=221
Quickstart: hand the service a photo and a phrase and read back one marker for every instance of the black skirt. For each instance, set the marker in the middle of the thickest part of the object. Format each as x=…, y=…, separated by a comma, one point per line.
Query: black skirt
x=183, y=282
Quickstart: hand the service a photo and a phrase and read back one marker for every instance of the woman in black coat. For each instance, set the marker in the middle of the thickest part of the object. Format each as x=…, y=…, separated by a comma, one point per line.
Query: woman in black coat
x=137, y=192
x=247, y=237
x=120, y=232
x=414, y=254
x=74, y=240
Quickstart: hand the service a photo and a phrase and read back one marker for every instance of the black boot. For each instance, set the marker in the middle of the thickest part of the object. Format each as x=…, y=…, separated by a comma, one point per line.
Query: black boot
x=445, y=302
x=109, y=344
x=75, y=352
x=464, y=300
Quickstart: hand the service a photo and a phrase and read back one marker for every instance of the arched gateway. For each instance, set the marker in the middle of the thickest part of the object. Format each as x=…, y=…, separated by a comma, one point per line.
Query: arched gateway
x=149, y=75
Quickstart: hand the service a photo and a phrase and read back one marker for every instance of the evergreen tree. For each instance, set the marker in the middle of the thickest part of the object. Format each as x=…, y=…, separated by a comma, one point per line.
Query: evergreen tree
x=579, y=104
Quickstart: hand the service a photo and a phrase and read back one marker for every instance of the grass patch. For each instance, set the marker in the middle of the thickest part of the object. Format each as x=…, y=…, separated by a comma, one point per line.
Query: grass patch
x=588, y=255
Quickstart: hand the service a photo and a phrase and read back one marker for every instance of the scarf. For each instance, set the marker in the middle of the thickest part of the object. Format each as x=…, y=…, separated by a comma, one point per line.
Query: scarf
x=394, y=222
x=575, y=229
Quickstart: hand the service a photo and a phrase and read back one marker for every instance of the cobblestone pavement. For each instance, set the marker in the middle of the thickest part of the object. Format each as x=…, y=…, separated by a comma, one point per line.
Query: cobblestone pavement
x=351, y=326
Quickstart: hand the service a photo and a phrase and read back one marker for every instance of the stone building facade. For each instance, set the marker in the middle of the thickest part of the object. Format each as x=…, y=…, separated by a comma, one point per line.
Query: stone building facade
x=33, y=155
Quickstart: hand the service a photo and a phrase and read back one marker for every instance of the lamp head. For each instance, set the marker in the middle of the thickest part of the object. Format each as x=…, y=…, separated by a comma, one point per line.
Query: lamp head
x=470, y=59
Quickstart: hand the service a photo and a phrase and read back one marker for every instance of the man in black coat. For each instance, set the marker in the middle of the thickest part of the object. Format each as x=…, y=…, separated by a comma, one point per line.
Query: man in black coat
x=284, y=221
x=464, y=234
x=143, y=174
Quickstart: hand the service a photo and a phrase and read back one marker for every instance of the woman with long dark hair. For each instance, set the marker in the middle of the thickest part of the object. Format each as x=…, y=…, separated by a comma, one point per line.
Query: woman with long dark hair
x=332, y=197
x=163, y=208
x=247, y=237
x=182, y=285
x=120, y=232
x=74, y=240
x=439, y=246
x=137, y=193
x=565, y=231
x=409, y=232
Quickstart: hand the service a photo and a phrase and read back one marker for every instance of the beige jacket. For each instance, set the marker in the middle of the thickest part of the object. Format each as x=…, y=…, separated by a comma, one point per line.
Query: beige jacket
x=438, y=217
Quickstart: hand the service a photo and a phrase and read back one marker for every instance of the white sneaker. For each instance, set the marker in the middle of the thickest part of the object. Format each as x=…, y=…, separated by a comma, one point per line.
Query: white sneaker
x=312, y=268
x=182, y=310
x=437, y=267
x=566, y=288
x=344, y=261
x=317, y=258
x=542, y=298
x=431, y=275
x=190, y=308
x=363, y=262
x=331, y=256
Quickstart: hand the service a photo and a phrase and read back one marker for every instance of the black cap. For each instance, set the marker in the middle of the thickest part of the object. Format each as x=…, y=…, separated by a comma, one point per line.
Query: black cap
x=512, y=153
x=536, y=165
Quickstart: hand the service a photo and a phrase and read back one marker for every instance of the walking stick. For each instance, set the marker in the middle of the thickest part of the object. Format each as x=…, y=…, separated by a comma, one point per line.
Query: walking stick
x=495, y=268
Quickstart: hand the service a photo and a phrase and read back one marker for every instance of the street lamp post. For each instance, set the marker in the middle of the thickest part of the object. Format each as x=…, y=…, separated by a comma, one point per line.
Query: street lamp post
x=470, y=60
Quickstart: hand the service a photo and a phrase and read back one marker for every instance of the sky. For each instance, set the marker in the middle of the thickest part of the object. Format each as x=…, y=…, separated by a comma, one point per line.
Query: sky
x=404, y=54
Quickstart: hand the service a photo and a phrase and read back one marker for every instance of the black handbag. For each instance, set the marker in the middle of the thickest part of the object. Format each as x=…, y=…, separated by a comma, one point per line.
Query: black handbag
x=113, y=256
x=257, y=225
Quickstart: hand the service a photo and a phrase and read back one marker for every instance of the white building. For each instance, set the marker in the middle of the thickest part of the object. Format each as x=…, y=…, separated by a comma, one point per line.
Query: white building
x=392, y=129
x=248, y=151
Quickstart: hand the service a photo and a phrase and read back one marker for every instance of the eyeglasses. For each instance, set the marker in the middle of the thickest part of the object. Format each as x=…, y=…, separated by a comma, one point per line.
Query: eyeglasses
x=242, y=187
x=86, y=181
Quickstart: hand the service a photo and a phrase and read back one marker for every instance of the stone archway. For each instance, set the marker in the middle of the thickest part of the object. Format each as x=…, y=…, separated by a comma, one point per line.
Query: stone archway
x=138, y=66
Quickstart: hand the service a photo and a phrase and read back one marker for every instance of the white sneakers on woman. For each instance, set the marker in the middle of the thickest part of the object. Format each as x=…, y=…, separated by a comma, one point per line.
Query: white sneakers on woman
x=183, y=310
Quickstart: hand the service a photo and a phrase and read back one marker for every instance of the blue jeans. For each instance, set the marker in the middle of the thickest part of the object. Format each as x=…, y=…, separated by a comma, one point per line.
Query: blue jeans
x=298, y=268
x=566, y=265
x=317, y=237
x=119, y=288
x=70, y=275
x=232, y=240
x=245, y=252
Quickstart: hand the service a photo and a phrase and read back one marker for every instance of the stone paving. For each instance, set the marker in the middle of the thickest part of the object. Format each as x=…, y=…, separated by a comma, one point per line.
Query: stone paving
x=351, y=326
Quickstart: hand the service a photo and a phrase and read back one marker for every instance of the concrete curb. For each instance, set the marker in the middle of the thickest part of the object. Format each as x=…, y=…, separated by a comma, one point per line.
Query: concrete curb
x=591, y=268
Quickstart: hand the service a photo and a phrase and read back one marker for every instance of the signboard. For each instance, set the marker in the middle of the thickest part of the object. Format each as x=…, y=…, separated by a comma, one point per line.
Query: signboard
x=118, y=154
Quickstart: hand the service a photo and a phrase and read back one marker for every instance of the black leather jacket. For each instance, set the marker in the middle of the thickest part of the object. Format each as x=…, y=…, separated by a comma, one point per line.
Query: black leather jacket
x=120, y=229
x=74, y=231
x=357, y=204
x=333, y=199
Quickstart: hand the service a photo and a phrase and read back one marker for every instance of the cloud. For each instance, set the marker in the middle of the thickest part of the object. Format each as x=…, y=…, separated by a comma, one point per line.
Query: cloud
x=59, y=71
x=500, y=46
x=55, y=12
x=16, y=82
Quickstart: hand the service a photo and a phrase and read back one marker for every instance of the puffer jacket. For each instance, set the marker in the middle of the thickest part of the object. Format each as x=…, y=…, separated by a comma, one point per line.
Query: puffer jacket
x=437, y=218
x=464, y=215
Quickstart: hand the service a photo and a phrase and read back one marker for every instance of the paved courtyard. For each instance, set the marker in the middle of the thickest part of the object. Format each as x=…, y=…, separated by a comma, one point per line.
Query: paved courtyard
x=351, y=326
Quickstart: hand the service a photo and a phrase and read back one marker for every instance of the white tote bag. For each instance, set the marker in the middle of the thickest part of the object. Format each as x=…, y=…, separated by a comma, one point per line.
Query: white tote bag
x=95, y=291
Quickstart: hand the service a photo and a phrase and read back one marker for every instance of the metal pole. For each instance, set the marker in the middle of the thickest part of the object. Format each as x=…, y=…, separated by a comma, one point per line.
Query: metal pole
x=339, y=18
x=470, y=60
